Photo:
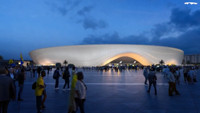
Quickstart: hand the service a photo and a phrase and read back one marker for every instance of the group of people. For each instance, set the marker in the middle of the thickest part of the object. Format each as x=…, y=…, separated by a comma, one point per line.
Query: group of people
x=189, y=73
x=172, y=74
x=8, y=77
x=65, y=75
x=77, y=90
x=18, y=76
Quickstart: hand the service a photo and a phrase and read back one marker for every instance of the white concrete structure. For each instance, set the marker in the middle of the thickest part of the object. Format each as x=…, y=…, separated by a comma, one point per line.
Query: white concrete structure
x=99, y=55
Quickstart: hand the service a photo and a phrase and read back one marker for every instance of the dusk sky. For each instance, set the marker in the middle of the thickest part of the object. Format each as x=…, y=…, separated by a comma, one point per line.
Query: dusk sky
x=26, y=25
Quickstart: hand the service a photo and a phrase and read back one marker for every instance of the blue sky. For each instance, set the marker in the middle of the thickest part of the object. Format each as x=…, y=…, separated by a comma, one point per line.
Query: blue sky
x=26, y=25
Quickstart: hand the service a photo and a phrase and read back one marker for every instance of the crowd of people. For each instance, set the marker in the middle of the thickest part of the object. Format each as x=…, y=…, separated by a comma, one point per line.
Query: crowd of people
x=12, y=78
x=172, y=74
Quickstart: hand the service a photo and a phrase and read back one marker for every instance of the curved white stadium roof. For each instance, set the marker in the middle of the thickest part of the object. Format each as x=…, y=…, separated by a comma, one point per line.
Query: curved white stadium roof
x=99, y=55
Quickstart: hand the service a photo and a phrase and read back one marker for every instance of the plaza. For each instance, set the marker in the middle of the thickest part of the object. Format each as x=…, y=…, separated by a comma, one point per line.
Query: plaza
x=114, y=92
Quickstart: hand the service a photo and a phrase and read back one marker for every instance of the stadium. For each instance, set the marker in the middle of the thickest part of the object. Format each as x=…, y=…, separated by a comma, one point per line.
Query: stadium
x=106, y=54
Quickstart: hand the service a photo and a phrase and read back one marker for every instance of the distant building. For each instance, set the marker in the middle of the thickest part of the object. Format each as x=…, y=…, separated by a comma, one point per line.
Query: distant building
x=105, y=54
x=192, y=59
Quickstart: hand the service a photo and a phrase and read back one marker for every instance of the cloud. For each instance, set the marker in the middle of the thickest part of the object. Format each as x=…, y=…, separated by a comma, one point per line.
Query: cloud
x=181, y=31
x=184, y=18
x=90, y=23
x=84, y=10
x=63, y=6
x=102, y=39
x=189, y=41
x=114, y=38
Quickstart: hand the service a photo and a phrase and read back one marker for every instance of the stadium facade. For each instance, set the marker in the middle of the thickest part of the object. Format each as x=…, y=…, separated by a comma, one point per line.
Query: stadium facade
x=100, y=55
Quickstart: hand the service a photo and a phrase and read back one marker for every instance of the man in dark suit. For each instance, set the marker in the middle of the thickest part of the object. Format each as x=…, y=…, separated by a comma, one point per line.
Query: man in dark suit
x=7, y=90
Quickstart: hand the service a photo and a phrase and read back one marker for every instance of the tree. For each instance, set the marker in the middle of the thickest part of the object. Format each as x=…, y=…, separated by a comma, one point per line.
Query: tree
x=65, y=63
x=161, y=62
x=1, y=57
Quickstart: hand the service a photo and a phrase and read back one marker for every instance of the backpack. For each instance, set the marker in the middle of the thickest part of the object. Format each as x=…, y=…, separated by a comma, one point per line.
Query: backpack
x=34, y=86
x=55, y=74
x=66, y=75
x=152, y=77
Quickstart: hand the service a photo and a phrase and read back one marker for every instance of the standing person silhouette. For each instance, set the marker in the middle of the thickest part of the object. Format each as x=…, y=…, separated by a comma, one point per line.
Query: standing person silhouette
x=21, y=78
x=56, y=76
x=39, y=91
x=152, y=80
x=7, y=90
x=80, y=92
x=145, y=73
x=72, y=104
x=66, y=76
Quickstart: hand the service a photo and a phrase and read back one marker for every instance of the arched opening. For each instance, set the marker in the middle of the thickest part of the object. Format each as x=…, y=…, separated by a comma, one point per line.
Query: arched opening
x=124, y=61
x=128, y=57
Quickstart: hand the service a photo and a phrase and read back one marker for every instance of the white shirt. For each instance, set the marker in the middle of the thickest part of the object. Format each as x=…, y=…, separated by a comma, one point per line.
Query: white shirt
x=80, y=87
x=191, y=73
x=171, y=77
x=181, y=72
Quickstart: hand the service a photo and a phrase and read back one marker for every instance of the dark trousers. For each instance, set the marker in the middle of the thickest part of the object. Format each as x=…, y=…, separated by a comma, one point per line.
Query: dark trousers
x=21, y=86
x=38, y=103
x=145, y=80
x=44, y=97
x=80, y=104
x=3, y=106
x=57, y=82
x=14, y=83
x=154, y=85
x=66, y=83
x=172, y=88
x=177, y=79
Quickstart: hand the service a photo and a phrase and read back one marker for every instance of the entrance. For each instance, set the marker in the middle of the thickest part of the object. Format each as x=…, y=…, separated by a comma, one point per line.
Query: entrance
x=127, y=58
x=124, y=61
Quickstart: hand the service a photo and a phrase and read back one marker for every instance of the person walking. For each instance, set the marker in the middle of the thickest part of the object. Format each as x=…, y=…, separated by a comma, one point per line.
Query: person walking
x=177, y=75
x=7, y=90
x=185, y=72
x=72, y=104
x=56, y=76
x=39, y=69
x=43, y=74
x=191, y=76
x=48, y=69
x=152, y=80
x=66, y=76
x=181, y=72
x=172, y=83
x=21, y=78
x=80, y=92
x=39, y=90
x=145, y=73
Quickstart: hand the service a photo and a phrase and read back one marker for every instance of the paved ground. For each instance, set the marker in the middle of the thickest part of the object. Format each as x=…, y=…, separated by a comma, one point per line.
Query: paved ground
x=115, y=92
